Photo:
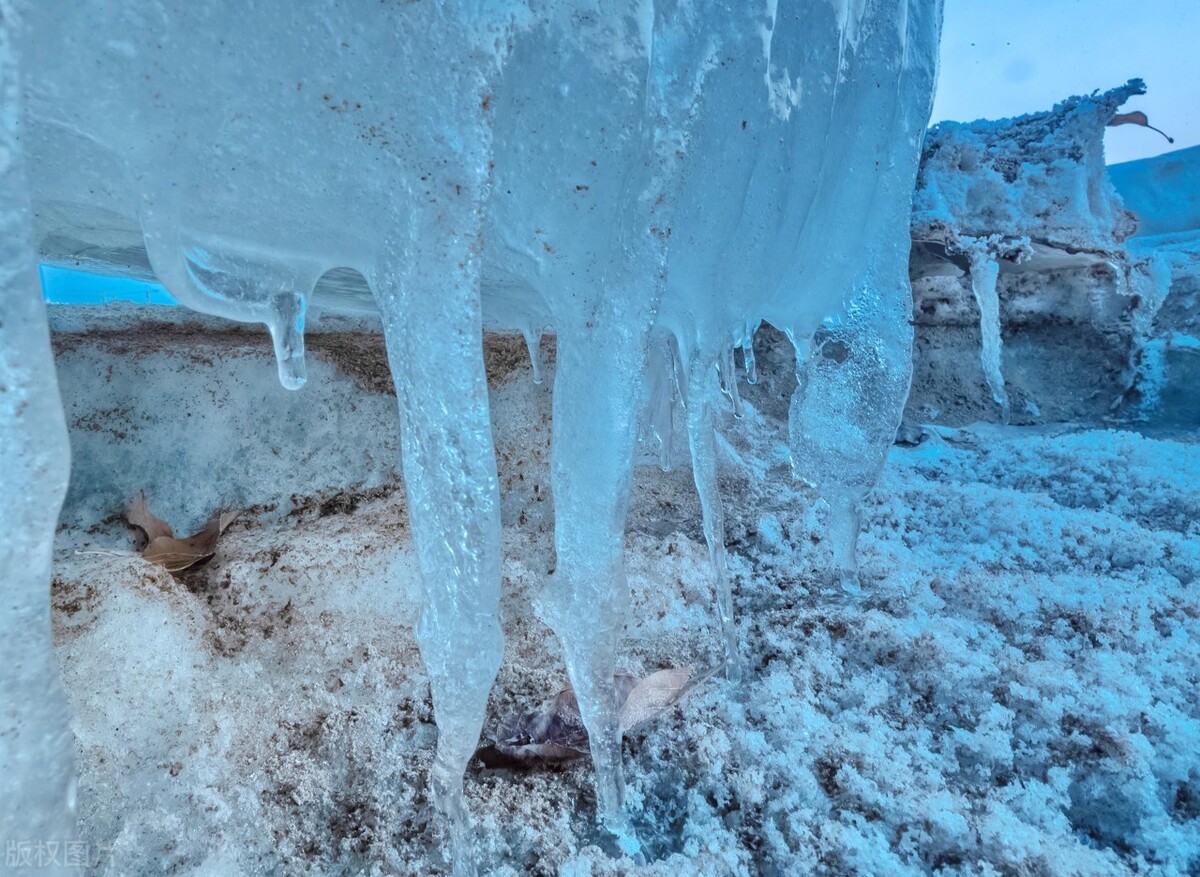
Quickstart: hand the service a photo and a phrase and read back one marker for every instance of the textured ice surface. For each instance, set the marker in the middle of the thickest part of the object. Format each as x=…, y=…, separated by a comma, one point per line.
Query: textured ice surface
x=627, y=175
x=37, y=783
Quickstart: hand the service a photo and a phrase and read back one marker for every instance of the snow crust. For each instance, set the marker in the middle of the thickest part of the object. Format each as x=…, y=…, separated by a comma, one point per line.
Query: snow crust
x=1032, y=194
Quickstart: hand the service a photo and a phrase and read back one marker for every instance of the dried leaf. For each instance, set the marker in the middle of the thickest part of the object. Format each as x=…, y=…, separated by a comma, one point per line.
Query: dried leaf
x=1137, y=117
x=554, y=734
x=176, y=555
x=654, y=694
x=162, y=547
x=145, y=527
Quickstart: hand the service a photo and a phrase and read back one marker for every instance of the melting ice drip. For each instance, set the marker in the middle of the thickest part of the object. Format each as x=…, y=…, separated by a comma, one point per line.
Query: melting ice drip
x=649, y=181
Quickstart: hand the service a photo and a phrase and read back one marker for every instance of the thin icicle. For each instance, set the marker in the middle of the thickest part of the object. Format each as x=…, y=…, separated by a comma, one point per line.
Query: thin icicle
x=233, y=287
x=749, y=362
x=984, y=272
x=727, y=377
x=658, y=426
x=533, y=342
x=702, y=440
x=679, y=369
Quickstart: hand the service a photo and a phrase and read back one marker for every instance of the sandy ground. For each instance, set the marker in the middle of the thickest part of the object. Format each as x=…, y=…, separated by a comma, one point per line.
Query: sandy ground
x=1016, y=692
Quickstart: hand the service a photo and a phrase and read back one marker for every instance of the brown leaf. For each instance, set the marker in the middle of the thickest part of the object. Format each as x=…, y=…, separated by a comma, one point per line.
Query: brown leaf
x=140, y=519
x=654, y=694
x=1137, y=117
x=224, y=518
x=176, y=555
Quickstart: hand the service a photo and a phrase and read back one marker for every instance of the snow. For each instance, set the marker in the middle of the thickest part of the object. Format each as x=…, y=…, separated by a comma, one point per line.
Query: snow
x=1164, y=191
x=1015, y=690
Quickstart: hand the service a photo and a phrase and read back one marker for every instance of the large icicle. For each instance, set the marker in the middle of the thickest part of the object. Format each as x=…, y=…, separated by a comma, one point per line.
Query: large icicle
x=702, y=440
x=853, y=374
x=427, y=286
x=985, y=271
x=590, y=204
x=587, y=602
x=37, y=784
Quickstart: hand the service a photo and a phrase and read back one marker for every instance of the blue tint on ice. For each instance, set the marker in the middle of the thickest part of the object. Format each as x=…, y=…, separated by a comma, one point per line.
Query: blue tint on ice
x=65, y=286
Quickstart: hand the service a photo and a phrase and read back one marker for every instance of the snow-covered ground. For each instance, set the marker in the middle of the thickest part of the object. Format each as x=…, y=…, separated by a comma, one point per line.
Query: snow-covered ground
x=1015, y=693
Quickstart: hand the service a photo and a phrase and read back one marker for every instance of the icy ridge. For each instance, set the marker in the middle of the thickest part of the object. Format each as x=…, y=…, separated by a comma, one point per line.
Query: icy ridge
x=1033, y=192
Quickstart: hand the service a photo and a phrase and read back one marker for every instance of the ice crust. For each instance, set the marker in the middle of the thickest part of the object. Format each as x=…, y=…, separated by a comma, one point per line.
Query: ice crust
x=648, y=181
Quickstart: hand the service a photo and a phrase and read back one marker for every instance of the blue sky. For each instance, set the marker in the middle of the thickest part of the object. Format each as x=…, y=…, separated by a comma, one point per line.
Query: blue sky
x=1007, y=57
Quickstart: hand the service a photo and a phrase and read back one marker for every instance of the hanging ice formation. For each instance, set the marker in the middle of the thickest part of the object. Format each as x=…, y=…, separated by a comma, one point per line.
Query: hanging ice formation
x=648, y=180
x=37, y=784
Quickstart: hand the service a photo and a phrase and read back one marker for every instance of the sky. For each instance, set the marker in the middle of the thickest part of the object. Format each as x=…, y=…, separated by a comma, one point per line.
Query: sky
x=1004, y=58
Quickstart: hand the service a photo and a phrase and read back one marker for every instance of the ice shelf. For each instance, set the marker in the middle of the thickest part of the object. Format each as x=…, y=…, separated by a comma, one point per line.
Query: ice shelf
x=625, y=175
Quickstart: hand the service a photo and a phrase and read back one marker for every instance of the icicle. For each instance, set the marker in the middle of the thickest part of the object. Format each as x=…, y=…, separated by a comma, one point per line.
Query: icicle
x=852, y=380
x=655, y=433
x=746, y=343
x=37, y=784
x=702, y=440
x=234, y=288
x=599, y=371
x=727, y=378
x=666, y=437
x=984, y=273
x=426, y=282
x=679, y=369
x=533, y=342
x=285, y=322
x=749, y=362
x=1148, y=279
x=429, y=295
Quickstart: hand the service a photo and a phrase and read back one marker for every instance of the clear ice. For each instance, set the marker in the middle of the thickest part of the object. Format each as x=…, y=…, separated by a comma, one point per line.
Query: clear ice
x=985, y=271
x=37, y=783
x=647, y=180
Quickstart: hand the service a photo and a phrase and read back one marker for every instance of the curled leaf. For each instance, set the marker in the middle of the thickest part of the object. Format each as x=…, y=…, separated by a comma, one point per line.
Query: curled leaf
x=143, y=526
x=158, y=543
x=1137, y=117
x=653, y=695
